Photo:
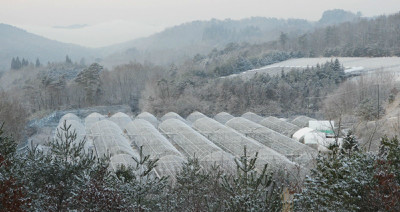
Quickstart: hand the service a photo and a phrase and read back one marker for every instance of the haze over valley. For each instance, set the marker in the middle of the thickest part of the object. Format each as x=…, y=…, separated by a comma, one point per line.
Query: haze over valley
x=199, y=105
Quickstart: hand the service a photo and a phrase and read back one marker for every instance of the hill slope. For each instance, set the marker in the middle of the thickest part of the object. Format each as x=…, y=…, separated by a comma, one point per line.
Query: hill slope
x=17, y=42
x=182, y=42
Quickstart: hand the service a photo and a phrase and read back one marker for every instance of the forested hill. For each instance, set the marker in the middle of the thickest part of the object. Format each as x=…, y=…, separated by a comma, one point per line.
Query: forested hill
x=15, y=42
x=173, y=45
x=184, y=41
x=374, y=37
x=366, y=37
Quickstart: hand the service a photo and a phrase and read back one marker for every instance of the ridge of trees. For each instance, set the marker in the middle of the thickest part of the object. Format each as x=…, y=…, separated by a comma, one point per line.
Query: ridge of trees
x=373, y=37
x=263, y=94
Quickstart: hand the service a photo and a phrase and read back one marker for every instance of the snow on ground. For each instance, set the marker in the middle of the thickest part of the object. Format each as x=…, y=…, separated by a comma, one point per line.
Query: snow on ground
x=354, y=65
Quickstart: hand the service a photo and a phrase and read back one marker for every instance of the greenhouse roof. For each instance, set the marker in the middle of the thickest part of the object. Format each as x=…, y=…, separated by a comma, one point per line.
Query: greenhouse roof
x=280, y=126
x=223, y=117
x=148, y=117
x=302, y=121
x=194, y=116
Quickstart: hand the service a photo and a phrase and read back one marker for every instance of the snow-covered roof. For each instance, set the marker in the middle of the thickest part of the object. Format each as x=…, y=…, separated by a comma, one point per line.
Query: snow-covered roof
x=121, y=119
x=302, y=121
x=253, y=117
x=148, y=117
x=234, y=142
x=223, y=117
x=194, y=116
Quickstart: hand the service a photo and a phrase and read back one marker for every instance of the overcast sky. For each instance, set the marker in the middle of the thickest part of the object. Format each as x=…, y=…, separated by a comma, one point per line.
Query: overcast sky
x=114, y=21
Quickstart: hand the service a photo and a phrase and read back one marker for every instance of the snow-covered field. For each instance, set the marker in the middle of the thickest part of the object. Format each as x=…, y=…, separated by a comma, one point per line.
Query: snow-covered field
x=351, y=64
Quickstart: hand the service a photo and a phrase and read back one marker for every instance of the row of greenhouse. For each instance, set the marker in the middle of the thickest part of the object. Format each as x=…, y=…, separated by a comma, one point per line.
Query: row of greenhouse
x=284, y=145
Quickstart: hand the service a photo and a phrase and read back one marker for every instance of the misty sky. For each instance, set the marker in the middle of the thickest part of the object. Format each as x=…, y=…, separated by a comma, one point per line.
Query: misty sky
x=114, y=21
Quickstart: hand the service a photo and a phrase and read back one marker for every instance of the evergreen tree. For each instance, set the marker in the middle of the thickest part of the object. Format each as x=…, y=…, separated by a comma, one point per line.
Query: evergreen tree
x=350, y=143
x=89, y=79
x=283, y=39
x=143, y=191
x=12, y=192
x=37, y=64
x=13, y=65
x=58, y=174
x=191, y=187
x=68, y=60
x=24, y=62
x=339, y=181
x=18, y=64
x=252, y=191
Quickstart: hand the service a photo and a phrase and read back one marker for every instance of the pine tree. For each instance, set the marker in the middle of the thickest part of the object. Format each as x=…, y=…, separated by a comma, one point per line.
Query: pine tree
x=37, y=64
x=18, y=64
x=350, y=143
x=142, y=189
x=191, y=186
x=24, y=62
x=57, y=174
x=12, y=192
x=252, y=191
x=13, y=65
x=339, y=181
x=89, y=79
x=283, y=39
x=68, y=60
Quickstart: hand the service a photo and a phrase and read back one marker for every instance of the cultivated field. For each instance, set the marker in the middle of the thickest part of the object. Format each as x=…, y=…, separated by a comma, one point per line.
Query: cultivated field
x=354, y=65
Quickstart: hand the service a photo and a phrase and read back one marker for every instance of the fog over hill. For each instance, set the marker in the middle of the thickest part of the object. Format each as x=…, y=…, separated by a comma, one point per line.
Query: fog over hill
x=173, y=45
x=16, y=42
x=181, y=42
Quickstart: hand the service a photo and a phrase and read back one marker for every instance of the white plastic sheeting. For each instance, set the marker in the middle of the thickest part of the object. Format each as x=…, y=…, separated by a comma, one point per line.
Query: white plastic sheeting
x=233, y=142
x=69, y=116
x=142, y=133
x=253, y=117
x=314, y=139
x=324, y=125
x=108, y=139
x=223, y=117
x=194, y=116
x=172, y=115
x=121, y=119
x=299, y=135
x=280, y=126
x=274, y=140
x=91, y=119
x=191, y=143
x=302, y=121
x=317, y=140
x=148, y=117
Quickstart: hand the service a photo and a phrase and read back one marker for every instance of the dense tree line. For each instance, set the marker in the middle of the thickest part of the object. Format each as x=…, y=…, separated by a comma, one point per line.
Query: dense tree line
x=297, y=91
x=234, y=58
x=242, y=63
x=14, y=112
x=368, y=37
x=16, y=63
x=35, y=91
x=60, y=86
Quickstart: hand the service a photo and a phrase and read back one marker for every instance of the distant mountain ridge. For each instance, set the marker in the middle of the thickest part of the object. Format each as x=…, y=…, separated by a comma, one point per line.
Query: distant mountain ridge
x=174, y=44
x=18, y=42
x=184, y=41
